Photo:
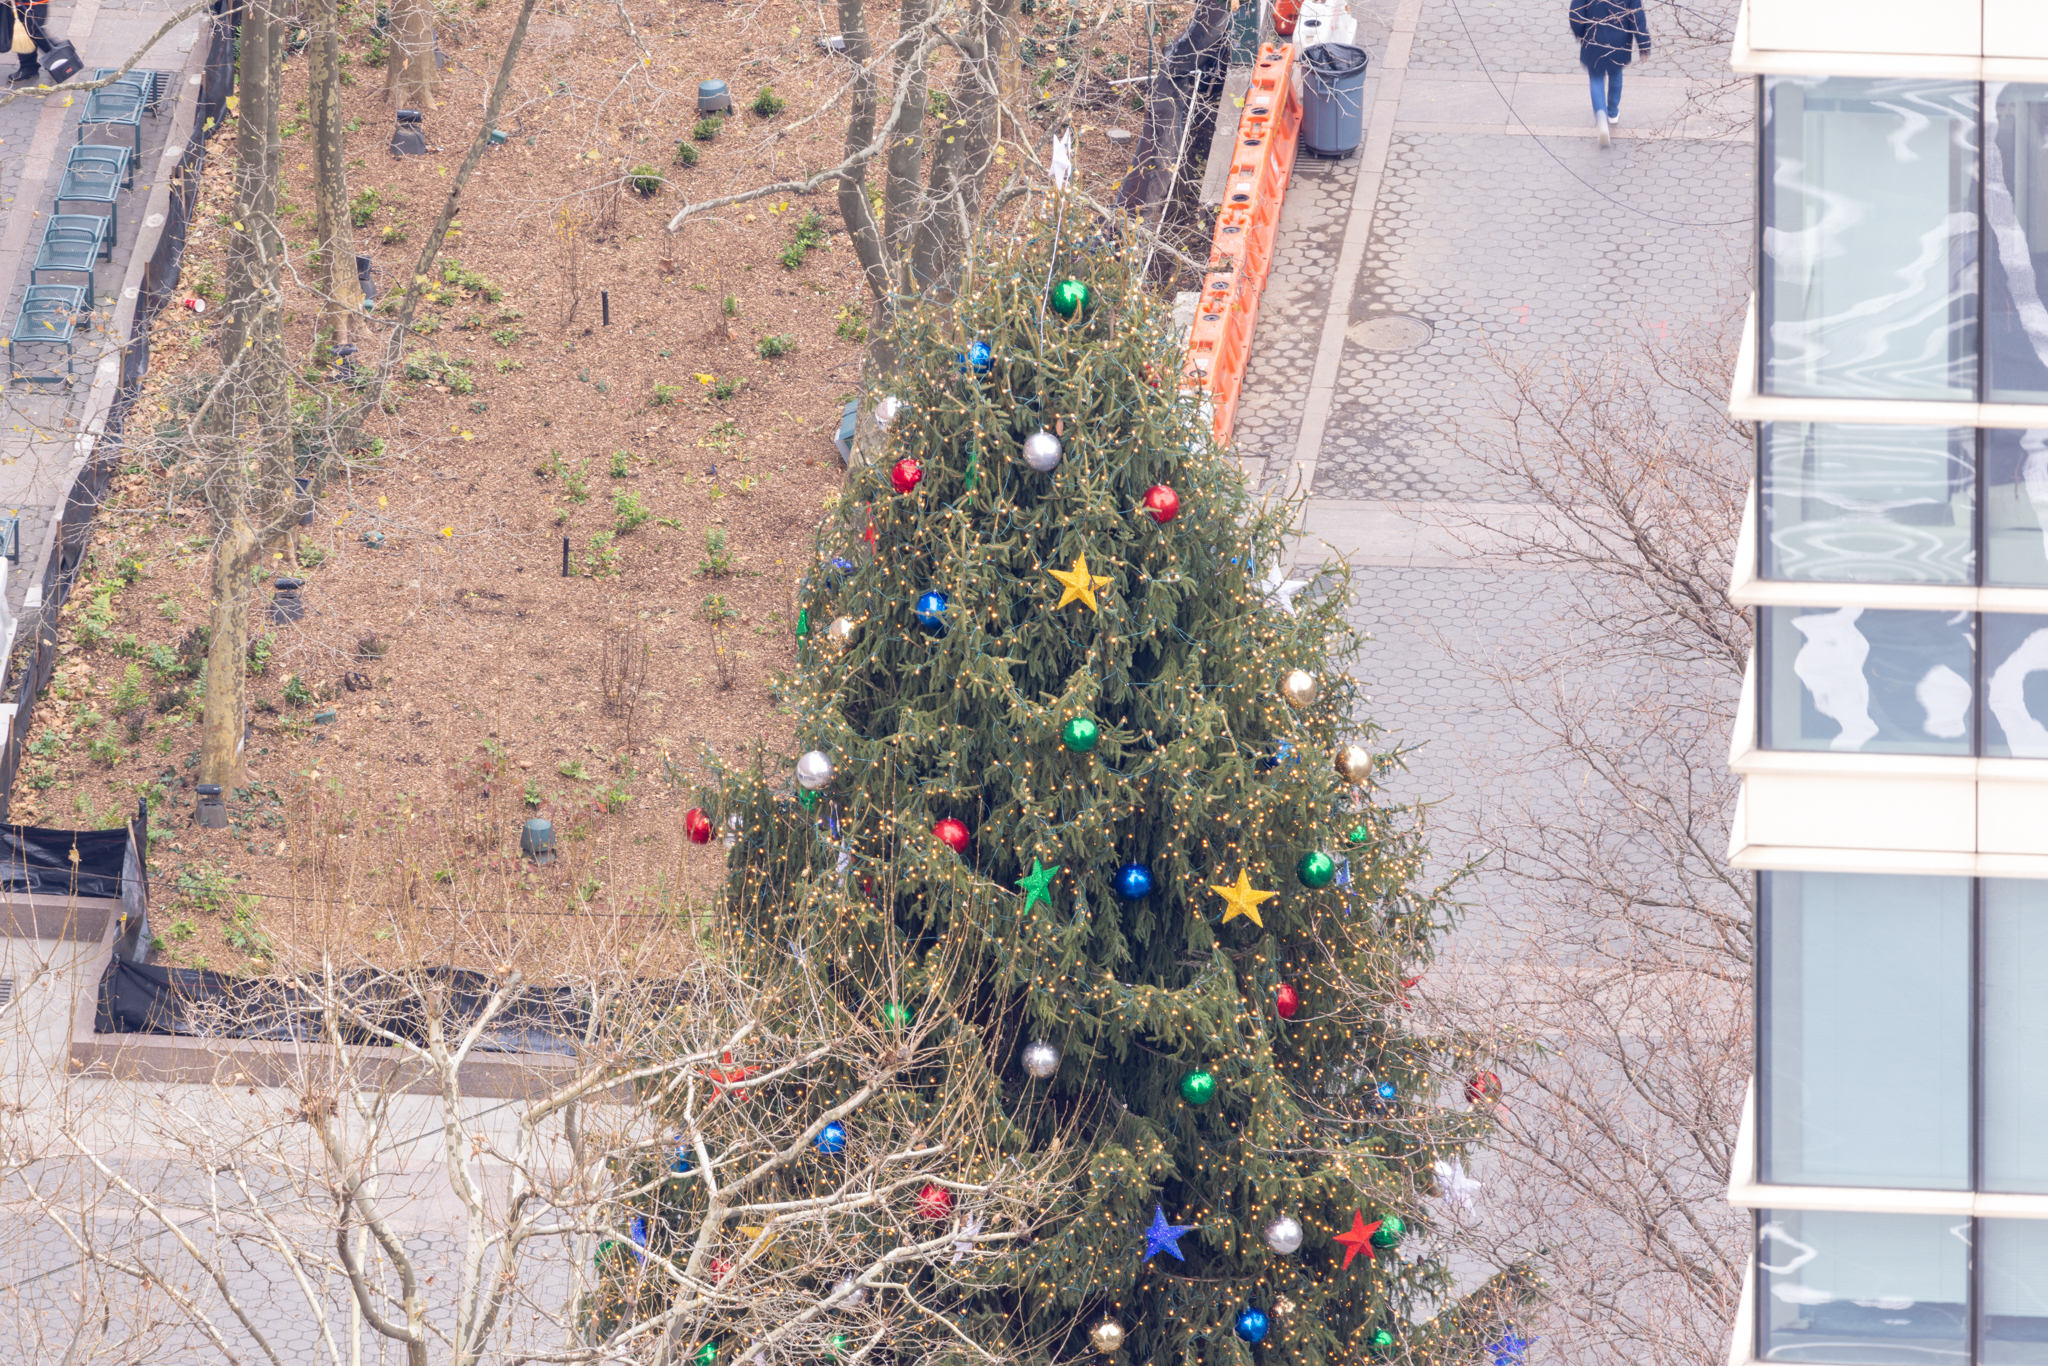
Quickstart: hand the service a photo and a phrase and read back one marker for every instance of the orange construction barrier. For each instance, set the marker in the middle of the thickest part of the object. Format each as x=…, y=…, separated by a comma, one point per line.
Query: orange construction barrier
x=1241, y=254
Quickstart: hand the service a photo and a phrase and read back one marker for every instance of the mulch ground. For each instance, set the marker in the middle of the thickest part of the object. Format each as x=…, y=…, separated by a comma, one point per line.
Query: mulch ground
x=447, y=681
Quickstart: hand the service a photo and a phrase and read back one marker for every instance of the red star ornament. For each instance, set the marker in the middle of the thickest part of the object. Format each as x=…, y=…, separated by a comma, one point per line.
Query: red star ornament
x=1359, y=1239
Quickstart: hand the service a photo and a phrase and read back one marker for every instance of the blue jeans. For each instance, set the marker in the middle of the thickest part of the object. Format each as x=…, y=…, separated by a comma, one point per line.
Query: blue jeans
x=1606, y=91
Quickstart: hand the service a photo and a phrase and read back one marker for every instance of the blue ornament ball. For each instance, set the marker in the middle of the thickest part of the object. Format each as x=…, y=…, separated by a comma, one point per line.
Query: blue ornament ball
x=685, y=1159
x=931, y=611
x=831, y=1139
x=979, y=357
x=1134, y=882
x=1253, y=1325
x=1389, y=1091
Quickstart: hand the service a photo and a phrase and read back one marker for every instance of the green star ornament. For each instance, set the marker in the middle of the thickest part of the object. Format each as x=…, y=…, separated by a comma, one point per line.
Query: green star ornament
x=1037, y=884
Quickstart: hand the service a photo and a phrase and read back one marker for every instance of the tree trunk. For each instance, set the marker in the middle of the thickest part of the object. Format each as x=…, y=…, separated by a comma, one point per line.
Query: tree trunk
x=341, y=293
x=409, y=75
x=903, y=198
x=251, y=414
x=965, y=147
x=235, y=553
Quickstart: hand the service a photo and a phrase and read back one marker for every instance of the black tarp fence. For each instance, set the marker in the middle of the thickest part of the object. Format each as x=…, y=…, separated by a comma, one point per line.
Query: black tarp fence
x=29, y=668
x=109, y=865
x=137, y=998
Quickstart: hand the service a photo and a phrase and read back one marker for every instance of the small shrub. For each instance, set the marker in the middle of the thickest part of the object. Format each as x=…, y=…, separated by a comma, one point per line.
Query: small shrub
x=632, y=513
x=664, y=395
x=707, y=128
x=726, y=388
x=533, y=796
x=792, y=256
x=852, y=327
x=644, y=181
x=296, y=692
x=717, y=561
x=506, y=336
x=731, y=306
x=129, y=570
x=767, y=103
x=393, y=232
x=106, y=752
x=311, y=556
x=810, y=231
x=129, y=692
x=601, y=557
x=259, y=653
x=363, y=206
x=774, y=346
x=573, y=768
x=686, y=155
x=621, y=467
x=577, y=481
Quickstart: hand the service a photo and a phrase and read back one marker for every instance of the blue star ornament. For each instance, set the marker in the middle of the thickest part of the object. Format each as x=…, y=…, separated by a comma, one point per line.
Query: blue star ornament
x=1164, y=1237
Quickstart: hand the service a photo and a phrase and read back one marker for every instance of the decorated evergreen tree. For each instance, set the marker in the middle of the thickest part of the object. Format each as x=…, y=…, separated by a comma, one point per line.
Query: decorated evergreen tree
x=1083, y=778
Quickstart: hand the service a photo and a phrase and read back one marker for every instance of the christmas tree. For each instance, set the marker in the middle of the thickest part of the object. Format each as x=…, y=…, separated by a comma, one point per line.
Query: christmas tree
x=1085, y=781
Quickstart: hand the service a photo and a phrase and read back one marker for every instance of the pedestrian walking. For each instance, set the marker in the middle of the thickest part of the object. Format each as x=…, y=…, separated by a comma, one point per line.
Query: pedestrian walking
x=22, y=22
x=1610, y=32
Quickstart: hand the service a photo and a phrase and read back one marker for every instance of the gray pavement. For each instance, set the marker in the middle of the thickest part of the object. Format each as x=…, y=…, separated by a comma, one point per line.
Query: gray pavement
x=1480, y=223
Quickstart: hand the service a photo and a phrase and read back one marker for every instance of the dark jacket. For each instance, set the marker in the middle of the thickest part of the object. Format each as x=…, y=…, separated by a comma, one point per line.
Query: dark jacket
x=1607, y=30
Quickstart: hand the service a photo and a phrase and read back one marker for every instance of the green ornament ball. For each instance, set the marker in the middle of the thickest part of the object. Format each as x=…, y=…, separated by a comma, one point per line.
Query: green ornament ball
x=803, y=622
x=1382, y=1340
x=838, y=1342
x=1388, y=1234
x=808, y=798
x=1198, y=1088
x=1316, y=869
x=896, y=1015
x=1081, y=735
x=707, y=1355
x=1359, y=834
x=1069, y=297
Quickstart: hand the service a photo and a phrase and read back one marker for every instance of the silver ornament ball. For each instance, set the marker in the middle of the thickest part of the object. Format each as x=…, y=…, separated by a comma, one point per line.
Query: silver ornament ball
x=849, y=1293
x=1354, y=764
x=814, y=770
x=842, y=632
x=886, y=410
x=1107, y=1336
x=1283, y=1235
x=1300, y=688
x=1042, y=451
x=1041, y=1059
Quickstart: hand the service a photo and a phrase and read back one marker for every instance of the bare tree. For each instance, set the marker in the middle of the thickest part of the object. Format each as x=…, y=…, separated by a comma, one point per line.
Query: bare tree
x=1616, y=975
x=341, y=292
x=409, y=71
x=705, y=1160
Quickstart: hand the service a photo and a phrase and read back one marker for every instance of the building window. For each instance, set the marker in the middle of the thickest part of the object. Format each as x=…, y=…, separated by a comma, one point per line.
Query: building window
x=1891, y=1289
x=1881, y=1289
x=2015, y=491
x=1846, y=503
x=1870, y=238
x=1861, y=680
x=1863, y=985
x=1879, y=997
x=2016, y=254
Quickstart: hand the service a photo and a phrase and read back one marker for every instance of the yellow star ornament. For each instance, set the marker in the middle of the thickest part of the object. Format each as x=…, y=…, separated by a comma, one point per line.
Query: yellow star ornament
x=1080, y=584
x=1243, y=899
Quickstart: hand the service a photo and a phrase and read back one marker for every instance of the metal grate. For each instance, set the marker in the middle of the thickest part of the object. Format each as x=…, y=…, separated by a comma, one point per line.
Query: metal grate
x=6, y=990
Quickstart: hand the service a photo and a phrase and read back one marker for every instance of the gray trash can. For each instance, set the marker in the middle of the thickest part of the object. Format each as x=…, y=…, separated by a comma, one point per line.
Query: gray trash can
x=1332, y=99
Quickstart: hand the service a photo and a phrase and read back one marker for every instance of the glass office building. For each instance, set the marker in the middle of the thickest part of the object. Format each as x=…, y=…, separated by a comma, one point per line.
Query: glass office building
x=1893, y=739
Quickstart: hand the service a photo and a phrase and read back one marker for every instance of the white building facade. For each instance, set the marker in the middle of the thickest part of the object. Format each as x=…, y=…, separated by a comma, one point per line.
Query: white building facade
x=1893, y=737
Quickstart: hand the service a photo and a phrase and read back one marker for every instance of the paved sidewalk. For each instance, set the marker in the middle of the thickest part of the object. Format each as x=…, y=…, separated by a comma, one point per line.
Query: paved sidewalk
x=40, y=425
x=1480, y=219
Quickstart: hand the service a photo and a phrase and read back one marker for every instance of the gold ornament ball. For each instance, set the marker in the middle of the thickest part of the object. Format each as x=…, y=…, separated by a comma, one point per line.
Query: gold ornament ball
x=841, y=632
x=1283, y=1306
x=1300, y=688
x=1354, y=764
x=1108, y=1336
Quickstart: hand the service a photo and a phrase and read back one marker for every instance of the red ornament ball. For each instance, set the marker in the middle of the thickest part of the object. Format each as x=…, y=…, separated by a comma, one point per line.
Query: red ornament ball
x=1162, y=503
x=905, y=474
x=697, y=825
x=952, y=834
x=935, y=1202
x=1482, y=1088
x=1287, y=1001
x=720, y=1269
